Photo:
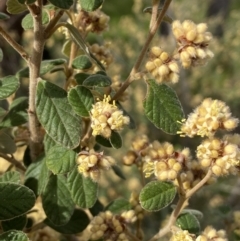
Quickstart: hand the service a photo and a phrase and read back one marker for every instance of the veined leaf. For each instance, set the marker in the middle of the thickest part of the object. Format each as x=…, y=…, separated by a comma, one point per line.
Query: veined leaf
x=8, y=85
x=90, y=5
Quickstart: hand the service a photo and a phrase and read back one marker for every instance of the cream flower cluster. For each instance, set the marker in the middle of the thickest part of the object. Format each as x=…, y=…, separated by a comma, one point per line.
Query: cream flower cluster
x=110, y=227
x=102, y=53
x=106, y=117
x=162, y=67
x=193, y=41
x=208, y=117
x=91, y=163
x=209, y=234
x=162, y=161
x=135, y=205
x=220, y=155
x=95, y=21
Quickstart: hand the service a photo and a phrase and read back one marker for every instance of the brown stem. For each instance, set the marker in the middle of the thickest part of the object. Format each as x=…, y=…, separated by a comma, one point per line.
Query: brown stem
x=34, y=70
x=128, y=233
x=140, y=58
x=13, y=161
x=14, y=44
x=155, y=4
x=49, y=29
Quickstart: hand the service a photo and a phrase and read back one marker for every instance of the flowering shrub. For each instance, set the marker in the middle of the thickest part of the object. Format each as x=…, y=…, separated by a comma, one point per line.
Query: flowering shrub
x=67, y=127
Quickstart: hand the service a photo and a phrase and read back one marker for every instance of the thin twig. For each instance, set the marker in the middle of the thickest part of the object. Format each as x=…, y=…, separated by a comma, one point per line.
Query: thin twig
x=140, y=58
x=133, y=238
x=13, y=161
x=14, y=44
x=155, y=4
x=49, y=29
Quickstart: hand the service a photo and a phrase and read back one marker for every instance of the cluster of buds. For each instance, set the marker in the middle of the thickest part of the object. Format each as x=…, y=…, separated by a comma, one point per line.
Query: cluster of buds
x=193, y=41
x=110, y=227
x=162, y=67
x=106, y=117
x=207, y=118
x=135, y=205
x=209, y=234
x=138, y=149
x=163, y=161
x=221, y=156
x=91, y=163
x=116, y=85
x=95, y=21
x=102, y=53
x=193, y=174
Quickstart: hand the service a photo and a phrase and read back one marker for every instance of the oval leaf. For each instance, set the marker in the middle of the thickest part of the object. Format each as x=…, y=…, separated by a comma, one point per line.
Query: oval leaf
x=115, y=140
x=77, y=223
x=97, y=80
x=60, y=160
x=15, y=200
x=3, y=16
x=80, y=77
x=90, y=5
x=8, y=85
x=96, y=208
x=10, y=176
x=81, y=99
x=162, y=107
x=103, y=141
x=119, y=205
x=57, y=202
x=156, y=195
x=17, y=223
x=14, y=7
x=13, y=235
x=57, y=116
x=27, y=21
x=83, y=190
x=7, y=143
x=64, y=4
x=188, y=222
x=26, y=1
x=118, y=171
x=17, y=114
x=82, y=62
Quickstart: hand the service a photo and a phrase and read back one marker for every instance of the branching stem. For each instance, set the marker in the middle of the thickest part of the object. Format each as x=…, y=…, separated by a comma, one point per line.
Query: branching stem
x=136, y=67
x=13, y=161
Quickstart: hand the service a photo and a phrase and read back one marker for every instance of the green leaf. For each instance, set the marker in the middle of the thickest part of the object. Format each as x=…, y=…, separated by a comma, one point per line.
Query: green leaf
x=14, y=7
x=96, y=208
x=57, y=202
x=60, y=160
x=10, y=176
x=97, y=80
x=188, y=222
x=115, y=140
x=162, y=107
x=27, y=21
x=77, y=223
x=46, y=66
x=13, y=235
x=15, y=200
x=81, y=100
x=8, y=85
x=3, y=16
x=80, y=77
x=17, y=114
x=119, y=205
x=57, y=116
x=118, y=172
x=36, y=176
x=103, y=141
x=66, y=49
x=90, y=5
x=156, y=195
x=17, y=223
x=1, y=55
x=48, y=143
x=83, y=190
x=194, y=212
x=7, y=143
x=64, y=4
x=82, y=62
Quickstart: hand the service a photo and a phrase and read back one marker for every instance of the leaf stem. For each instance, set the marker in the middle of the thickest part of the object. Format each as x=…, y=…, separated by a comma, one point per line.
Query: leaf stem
x=13, y=161
x=136, y=67
x=34, y=70
x=14, y=44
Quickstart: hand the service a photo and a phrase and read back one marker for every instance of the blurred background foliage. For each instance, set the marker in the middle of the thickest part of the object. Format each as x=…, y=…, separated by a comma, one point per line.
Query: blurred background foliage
x=220, y=78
